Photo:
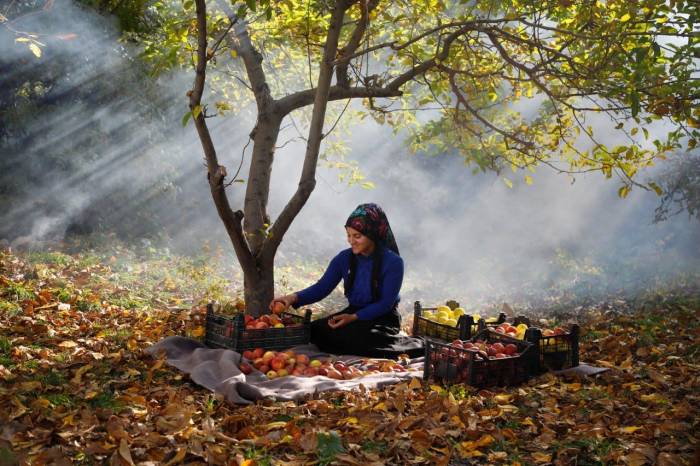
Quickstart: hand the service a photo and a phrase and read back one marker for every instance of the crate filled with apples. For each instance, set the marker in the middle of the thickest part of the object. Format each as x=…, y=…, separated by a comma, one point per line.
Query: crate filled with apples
x=239, y=331
x=448, y=322
x=276, y=364
x=490, y=358
x=558, y=347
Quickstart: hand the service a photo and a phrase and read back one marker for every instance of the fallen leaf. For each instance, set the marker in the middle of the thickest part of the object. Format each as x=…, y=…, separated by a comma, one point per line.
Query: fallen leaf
x=125, y=453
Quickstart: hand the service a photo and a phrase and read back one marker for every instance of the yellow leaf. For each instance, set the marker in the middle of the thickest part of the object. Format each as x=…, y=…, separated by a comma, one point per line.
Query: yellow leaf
x=79, y=374
x=198, y=331
x=124, y=452
x=67, y=344
x=503, y=398
x=626, y=17
x=630, y=429
x=276, y=425
x=35, y=50
x=437, y=388
x=348, y=421
x=528, y=179
x=415, y=384
x=541, y=457
x=234, y=53
x=484, y=441
x=508, y=183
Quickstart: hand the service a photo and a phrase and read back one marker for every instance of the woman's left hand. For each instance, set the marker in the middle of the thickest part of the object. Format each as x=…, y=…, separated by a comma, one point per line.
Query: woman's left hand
x=341, y=320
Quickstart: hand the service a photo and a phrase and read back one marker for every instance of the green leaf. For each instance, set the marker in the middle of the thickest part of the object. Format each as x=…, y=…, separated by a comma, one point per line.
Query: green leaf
x=186, y=118
x=329, y=445
x=624, y=191
x=634, y=97
x=367, y=185
x=656, y=188
x=251, y=4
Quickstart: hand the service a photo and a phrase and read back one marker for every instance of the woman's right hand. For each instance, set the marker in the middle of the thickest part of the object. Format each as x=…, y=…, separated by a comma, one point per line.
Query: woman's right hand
x=286, y=301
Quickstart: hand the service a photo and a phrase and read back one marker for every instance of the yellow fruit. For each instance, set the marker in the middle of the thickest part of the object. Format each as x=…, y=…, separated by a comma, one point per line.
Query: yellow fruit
x=430, y=315
x=443, y=309
x=521, y=327
x=458, y=312
x=442, y=315
x=451, y=322
x=476, y=317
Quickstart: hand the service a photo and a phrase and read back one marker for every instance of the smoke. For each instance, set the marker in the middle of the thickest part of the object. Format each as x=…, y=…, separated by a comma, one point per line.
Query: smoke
x=462, y=236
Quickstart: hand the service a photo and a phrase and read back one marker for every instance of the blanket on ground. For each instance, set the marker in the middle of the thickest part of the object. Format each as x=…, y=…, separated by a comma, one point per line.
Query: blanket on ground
x=217, y=370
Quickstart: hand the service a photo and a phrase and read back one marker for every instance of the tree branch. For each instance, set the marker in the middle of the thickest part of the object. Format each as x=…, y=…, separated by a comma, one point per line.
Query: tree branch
x=307, y=181
x=215, y=172
x=252, y=60
x=341, y=71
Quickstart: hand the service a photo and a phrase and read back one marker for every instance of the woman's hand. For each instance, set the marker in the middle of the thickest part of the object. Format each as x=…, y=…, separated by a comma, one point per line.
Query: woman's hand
x=341, y=320
x=285, y=301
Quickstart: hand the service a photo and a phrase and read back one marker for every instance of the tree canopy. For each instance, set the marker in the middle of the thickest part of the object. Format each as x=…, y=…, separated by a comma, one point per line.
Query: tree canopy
x=507, y=84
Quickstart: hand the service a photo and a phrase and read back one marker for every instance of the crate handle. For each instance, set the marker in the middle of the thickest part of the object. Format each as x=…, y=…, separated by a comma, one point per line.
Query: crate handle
x=417, y=311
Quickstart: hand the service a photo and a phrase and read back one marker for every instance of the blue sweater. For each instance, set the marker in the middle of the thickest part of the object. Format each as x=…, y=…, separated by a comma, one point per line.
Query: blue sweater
x=390, y=279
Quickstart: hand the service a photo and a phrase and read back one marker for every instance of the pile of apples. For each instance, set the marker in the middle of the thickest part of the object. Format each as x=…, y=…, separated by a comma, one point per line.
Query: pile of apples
x=283, y=363
x=269, y=321
x=482, y=350
x=548, y=332
x=515, y=332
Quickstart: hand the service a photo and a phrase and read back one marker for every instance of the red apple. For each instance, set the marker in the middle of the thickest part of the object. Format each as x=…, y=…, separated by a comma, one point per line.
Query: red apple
x=310, y=371
x=259, y=362
x=302, y=359
x=339, y=366
x=248, y=355
x=278, y=307
x=248, y=319
x=278, y=363
x=245, y=368
x=297, y=371
x=261, y=325
x=258, y=353
x=510, y=349
x=559, y=331
x=334, y=374
x=264, y=368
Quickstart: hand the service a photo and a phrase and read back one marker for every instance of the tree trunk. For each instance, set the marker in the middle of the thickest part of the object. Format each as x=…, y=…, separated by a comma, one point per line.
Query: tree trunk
x=259, y=287
x=259, y=279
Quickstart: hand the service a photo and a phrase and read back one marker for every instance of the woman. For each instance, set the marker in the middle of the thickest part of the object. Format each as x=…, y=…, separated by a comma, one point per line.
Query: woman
x=372, y=273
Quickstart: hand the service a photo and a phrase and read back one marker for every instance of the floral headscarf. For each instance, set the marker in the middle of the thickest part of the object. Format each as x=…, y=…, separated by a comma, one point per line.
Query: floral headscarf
x=371, y=221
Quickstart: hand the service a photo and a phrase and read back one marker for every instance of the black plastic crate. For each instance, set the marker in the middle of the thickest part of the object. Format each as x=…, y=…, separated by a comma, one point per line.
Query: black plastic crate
x=466, y=326
x=555, y=352
x=449, y=365
x=483, y=325
x=229, y=332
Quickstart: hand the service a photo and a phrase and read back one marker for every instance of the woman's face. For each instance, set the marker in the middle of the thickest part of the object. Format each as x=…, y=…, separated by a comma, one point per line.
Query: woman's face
x=359, y=243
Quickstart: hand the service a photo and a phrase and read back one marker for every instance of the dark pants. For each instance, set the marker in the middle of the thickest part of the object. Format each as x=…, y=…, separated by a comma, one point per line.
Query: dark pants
x=377, y=338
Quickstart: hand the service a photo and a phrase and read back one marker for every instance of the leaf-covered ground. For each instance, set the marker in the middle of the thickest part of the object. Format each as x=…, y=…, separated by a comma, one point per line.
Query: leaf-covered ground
x=76, y=388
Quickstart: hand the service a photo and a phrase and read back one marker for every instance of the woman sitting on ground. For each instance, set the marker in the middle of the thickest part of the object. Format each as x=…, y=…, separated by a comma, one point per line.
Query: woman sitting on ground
x=372, y=273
